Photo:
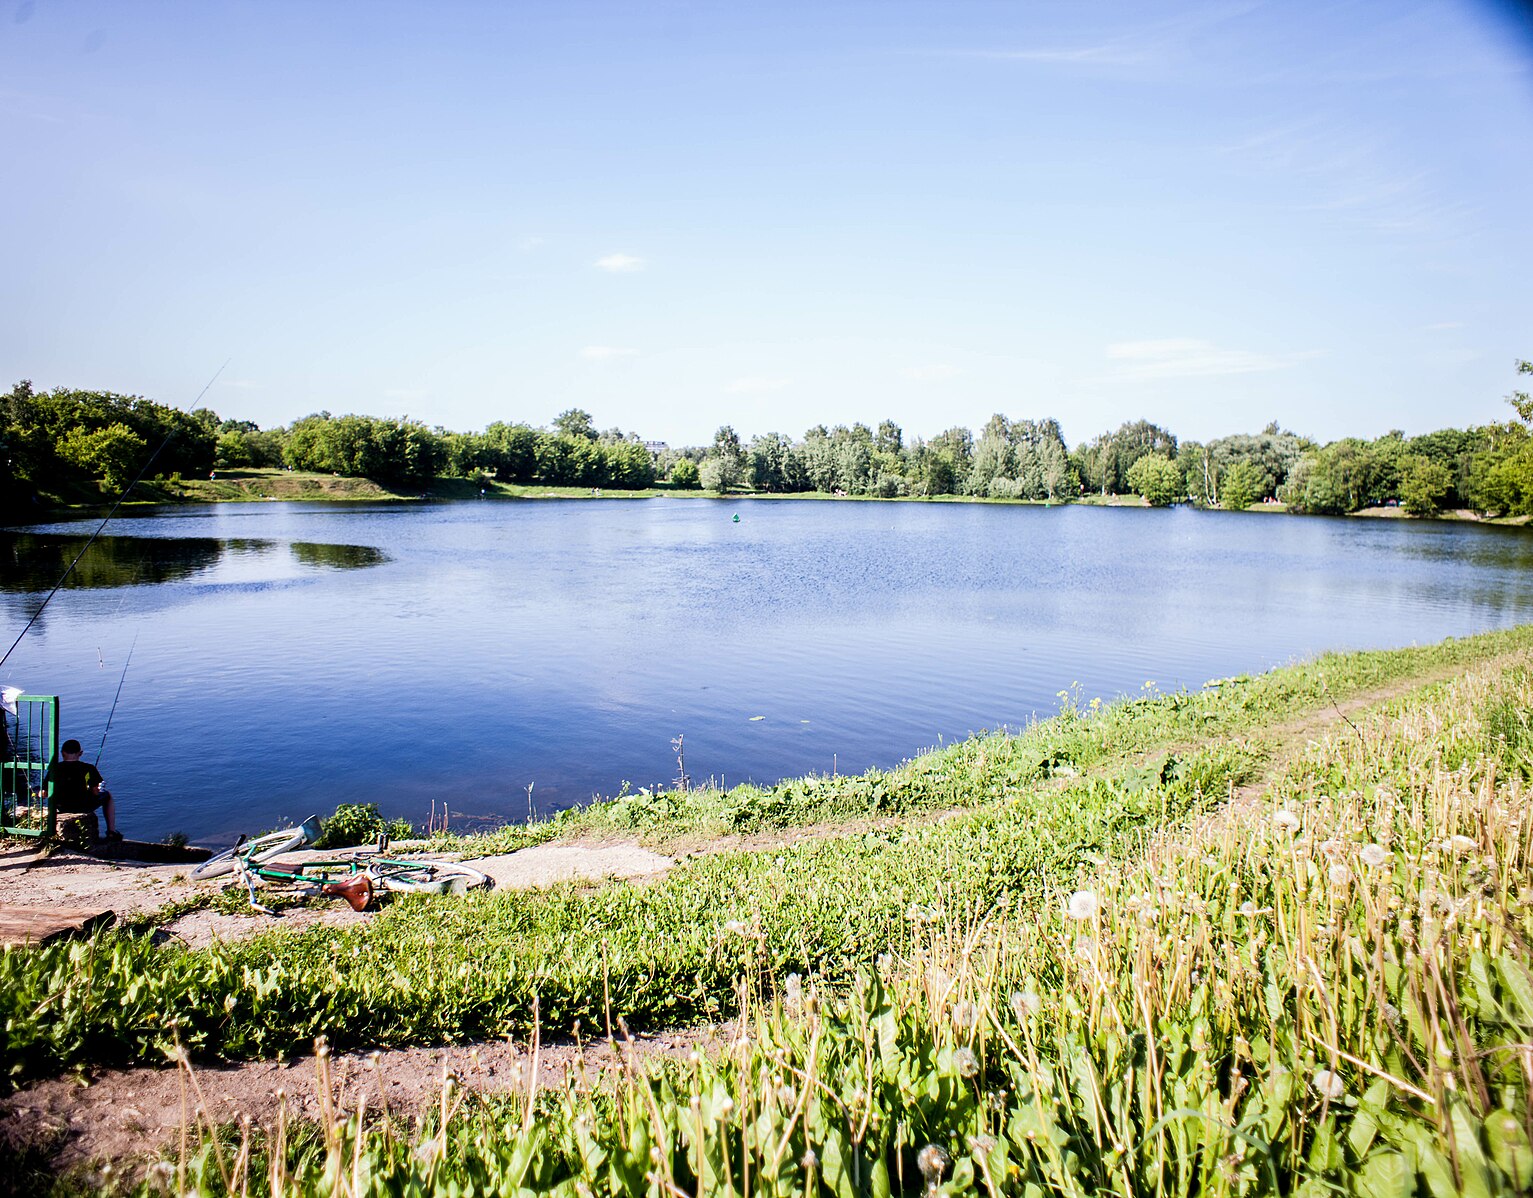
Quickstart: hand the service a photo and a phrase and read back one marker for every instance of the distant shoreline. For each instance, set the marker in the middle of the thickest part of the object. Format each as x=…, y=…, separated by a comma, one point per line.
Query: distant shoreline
x=254, y=486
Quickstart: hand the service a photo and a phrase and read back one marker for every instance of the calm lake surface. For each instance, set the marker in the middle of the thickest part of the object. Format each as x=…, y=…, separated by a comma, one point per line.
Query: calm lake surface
x=289, y=657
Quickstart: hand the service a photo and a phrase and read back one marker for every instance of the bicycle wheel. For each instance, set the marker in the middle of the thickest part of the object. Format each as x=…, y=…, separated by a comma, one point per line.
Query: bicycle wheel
x=427, y=877
x=262, y=848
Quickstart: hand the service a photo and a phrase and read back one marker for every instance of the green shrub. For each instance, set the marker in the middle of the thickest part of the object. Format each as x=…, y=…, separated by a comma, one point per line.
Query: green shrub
x=359, y=823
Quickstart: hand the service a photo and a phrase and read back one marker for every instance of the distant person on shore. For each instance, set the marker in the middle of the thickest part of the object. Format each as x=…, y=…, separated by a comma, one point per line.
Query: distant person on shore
x=77, y=787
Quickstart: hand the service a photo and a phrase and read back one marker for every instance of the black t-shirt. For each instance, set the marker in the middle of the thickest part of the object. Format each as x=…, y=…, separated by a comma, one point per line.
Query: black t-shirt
x=72, y=783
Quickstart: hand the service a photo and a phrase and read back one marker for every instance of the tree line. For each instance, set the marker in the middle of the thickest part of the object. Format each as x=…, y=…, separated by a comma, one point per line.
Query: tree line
x=60, y=441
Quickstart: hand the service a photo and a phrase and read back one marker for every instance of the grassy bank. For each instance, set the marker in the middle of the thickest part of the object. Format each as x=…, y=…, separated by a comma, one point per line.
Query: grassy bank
x=1089, y=975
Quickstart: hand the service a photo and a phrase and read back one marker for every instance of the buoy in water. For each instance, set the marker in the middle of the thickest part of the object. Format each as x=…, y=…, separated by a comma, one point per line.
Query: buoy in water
x=737, y=517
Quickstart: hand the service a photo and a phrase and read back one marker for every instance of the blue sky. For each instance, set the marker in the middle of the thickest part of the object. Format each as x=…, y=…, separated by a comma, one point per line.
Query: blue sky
x=675, y=215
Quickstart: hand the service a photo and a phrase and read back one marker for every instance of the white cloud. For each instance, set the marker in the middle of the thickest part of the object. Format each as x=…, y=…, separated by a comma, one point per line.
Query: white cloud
x=598, y=353
x=935, y=373
x=620, y=263
x=755, y=385
x=1184, y=357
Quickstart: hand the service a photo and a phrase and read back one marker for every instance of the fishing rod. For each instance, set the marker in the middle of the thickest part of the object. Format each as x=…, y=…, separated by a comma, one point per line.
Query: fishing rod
x=108, y=729
x=137, y=478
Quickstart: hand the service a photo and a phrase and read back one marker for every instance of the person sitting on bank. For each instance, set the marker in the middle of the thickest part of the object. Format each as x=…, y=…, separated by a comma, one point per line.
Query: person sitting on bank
x=77, y=787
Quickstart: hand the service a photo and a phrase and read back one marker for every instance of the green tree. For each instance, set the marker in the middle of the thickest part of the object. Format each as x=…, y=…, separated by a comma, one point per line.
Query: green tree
x=719, y=475
x=773, y=464
x=511, y=452
x=1241, y=486
x=575, y=422
x=724, y=467
x=112, y=454
x=1501, y=482
x=234, y=448
x=1521, y=400
x=1423, y=485
x=1156, y=478
x=1104, y=462
x=684, y=473
x=993, y=461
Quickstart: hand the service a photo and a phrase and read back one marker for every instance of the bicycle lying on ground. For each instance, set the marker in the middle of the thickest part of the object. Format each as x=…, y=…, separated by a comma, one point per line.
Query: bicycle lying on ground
x=356, y=876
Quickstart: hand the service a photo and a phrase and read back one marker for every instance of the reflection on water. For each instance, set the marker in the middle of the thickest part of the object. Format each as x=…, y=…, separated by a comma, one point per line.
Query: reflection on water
x=505, y=655
x=338, y=557
x=34, y=562
x=31, y=563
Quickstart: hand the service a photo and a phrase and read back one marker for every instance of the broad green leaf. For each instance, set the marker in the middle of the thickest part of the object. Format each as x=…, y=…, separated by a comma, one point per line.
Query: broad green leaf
x=1509, y=1148
x=1365, y=1124
x=1386, y=1175
x=1519, y=984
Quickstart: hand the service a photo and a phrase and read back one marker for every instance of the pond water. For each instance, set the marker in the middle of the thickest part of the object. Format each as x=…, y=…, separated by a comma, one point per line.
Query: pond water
x=506, y=655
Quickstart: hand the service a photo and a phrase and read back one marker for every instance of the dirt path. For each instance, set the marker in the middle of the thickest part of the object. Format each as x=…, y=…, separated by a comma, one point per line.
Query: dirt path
x=122, y=1115
x=66, y=878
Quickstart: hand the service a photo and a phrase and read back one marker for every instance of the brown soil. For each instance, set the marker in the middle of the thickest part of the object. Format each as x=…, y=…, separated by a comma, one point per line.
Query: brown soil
x=67, y=878
x=123, y=1115
x=30, y=876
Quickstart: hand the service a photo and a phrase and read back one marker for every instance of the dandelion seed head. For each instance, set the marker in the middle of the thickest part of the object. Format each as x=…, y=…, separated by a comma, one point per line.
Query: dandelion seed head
x=1459, y=845
x=1328, y=1084
x=966, y=1062
x=809, y=1161
x=1083, y=905
x=1339, y=874
x=933, y=1162
x=1284, y=818
x=1373, y=855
